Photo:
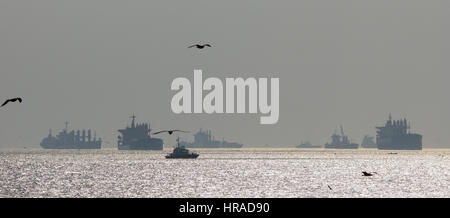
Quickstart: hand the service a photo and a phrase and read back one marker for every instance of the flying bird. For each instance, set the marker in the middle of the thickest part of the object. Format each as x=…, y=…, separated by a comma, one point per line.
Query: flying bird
x=11, y=100
x=200, y=46
x=329, y=187
x=169, y=131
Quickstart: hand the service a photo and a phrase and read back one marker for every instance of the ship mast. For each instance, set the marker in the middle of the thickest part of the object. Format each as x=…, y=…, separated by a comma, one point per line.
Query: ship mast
x=132, y=121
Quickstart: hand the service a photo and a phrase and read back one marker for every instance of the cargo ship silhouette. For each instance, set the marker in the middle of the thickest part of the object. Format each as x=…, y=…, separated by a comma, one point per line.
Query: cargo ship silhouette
x=71, y=140
x=368, y=142
x=137, y=137
x=341, y=141
x=307, y=144
x=203, y=139
x=395, y=135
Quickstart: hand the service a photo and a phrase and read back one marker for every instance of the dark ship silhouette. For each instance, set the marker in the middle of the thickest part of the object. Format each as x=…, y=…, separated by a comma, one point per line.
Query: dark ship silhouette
x=203, y=139
x=341, y=141
x=71, y=140
x=394, y=135
x=181, y=152
x=368, y=142
x=307, y=144
x=137, y=137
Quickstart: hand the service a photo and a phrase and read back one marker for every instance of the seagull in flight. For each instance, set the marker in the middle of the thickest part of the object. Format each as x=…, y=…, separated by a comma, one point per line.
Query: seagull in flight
x=200, y=46
x=11, y=100
x=169, y=131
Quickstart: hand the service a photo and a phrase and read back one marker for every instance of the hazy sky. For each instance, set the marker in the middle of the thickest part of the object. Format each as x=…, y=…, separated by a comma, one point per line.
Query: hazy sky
x=94, y=63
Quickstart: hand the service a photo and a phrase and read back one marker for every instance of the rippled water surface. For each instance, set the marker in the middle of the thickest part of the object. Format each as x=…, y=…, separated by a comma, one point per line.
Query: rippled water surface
x=224, y=173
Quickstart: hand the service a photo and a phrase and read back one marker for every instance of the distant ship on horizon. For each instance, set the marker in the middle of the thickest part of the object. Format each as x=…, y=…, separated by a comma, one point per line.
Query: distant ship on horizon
x=395, y=135
x=181, y=152
x=137, y=137
x=341, y=141
x=71, y=140
x=203, y=139
x=307, y=144
x=368, y=142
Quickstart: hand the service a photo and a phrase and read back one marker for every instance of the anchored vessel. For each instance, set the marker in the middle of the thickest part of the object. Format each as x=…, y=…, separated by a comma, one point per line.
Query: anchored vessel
x=340, y=141
x=71, y=140
x=137, y=137
x=307, y=144
x=395, y=135
x=181, y=152
x=203, y=139
x=368, y=142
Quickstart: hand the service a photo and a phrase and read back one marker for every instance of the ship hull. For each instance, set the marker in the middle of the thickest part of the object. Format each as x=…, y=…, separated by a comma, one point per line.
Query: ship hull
x=349, y=146
x=191, y=156
x=149, y=144
x=68, y=146
x=368, y=146
x=402, y=142
x=308, y=146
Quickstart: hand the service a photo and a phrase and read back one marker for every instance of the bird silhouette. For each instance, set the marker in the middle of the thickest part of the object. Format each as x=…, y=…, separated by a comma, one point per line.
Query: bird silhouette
x=368, y=174
x=329, y=187
x=200, y=46
x=169, y=131
x=11, y=100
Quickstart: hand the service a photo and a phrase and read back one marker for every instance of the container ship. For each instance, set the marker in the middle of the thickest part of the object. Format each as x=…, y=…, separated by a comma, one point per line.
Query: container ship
x=395, y=135
x=203, y=139
x=137, y=137
x=341, y=141
x=71, y=140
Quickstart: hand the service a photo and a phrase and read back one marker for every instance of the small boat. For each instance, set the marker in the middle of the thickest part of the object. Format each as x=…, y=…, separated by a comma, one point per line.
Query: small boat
x=181, y=152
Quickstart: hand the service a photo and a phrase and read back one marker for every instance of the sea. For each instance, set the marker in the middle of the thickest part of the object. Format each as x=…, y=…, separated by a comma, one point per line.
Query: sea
x=225, y=173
